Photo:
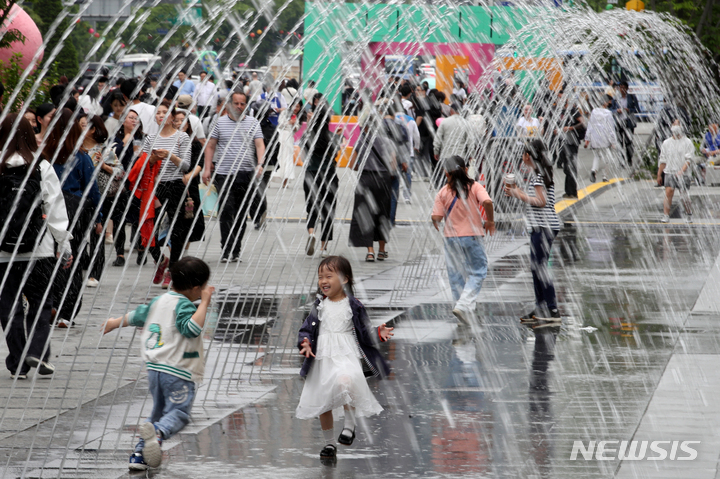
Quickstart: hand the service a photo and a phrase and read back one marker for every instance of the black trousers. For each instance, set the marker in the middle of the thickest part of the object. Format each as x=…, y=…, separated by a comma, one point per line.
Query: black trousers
x=371, y=210
x=172, y=195
x=625, y=138
x=259, y=204
x=320, y=189
x=570, y=153
x=238, y=196
x=17, y=325
x=68, y=282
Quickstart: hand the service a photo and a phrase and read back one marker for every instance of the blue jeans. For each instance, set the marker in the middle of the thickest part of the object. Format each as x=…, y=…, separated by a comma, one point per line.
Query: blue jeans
x=541, y=240
x=172, y=401
x=467, y=269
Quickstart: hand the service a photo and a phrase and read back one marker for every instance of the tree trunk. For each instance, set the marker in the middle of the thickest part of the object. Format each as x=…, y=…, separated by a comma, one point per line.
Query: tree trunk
x=706, y=12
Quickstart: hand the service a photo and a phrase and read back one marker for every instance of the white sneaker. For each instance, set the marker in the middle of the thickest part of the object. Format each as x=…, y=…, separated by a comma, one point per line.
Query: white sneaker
x=151, y=451
x=665, y=219
x=109, y=239
x=462, y=316
x=325, y=253
x=688, y=219
x=92, y=283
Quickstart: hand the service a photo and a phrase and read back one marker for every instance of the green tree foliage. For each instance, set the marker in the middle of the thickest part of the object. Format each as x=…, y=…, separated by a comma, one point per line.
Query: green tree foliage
x=11, y=35
x=67, y=58
x=10, y=77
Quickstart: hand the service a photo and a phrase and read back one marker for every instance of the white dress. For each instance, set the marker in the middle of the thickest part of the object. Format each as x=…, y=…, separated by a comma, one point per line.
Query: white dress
x=286, y=151
x=336, y=377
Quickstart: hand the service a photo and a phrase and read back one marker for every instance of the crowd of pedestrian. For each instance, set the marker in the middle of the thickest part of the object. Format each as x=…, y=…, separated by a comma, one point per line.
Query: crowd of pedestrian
x=141, y=152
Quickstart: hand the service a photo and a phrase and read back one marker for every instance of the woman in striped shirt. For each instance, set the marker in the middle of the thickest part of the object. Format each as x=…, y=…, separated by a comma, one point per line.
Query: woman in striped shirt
x=173, y=145
x=543, y=225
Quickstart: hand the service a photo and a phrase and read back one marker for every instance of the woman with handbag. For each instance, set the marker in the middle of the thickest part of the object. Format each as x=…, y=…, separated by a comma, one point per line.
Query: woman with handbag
x=110, y=174
x=321, y=181
x=374, y=157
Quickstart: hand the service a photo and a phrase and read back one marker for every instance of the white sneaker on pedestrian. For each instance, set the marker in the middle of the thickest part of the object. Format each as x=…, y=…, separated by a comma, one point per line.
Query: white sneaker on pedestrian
x=462, y=316
x=665, y=219
x=688, y=219
x=109, y=239
x=92, y=283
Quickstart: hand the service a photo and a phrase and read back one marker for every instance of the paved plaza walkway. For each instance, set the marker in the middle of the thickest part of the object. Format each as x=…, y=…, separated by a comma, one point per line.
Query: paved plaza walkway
x=635, y=358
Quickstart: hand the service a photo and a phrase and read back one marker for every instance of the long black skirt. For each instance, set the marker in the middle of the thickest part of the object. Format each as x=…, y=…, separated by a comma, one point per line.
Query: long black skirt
x=371, y=211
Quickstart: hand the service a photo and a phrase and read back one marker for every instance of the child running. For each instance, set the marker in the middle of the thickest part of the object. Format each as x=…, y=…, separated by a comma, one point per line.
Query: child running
x=173, y=351
x=336, y=339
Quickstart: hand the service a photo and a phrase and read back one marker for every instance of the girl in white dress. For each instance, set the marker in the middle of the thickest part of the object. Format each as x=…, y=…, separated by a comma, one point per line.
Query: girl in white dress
x=337, y=341
x=288, y=124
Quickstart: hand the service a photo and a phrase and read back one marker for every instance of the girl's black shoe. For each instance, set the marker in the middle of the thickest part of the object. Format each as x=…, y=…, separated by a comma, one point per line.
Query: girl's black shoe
x=346, y=437
x=328, y=452
x=119, y=261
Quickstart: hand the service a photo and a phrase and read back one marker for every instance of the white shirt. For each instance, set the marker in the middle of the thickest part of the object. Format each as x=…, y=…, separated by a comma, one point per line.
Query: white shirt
x=674, y=154
x=53, y=207
x=528, y=128
x=309, y=94
x=205, y=94
x=601, y=129
x=255, y=89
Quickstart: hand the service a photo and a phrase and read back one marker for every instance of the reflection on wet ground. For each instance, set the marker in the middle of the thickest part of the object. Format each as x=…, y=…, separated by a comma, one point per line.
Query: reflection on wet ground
x=505, y=400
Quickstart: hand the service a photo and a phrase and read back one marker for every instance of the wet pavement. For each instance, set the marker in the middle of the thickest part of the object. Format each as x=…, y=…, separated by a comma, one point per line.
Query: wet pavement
x=505, y=400
x=635, y=358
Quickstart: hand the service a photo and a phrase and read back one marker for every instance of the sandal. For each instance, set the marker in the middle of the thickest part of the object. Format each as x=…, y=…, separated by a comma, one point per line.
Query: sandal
x=382, y=256
x=328, y=452
x=346, y=439
x=370, y=258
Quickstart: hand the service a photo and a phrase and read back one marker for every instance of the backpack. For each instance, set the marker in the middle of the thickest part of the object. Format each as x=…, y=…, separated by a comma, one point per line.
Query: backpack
x=28, y=209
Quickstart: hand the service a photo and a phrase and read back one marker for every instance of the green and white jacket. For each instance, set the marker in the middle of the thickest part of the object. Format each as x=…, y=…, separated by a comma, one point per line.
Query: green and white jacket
x=171, y=342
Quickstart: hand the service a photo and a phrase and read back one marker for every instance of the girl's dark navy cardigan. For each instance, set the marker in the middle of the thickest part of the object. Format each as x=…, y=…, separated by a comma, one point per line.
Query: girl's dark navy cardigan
x=366, y=338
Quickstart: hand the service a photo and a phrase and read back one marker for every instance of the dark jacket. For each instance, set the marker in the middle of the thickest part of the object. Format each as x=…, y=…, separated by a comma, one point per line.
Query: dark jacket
x=633, y=107
x=366, y=338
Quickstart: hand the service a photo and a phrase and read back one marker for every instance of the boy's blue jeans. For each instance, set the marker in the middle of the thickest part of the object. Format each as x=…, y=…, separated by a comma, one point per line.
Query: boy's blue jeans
x=467, y=269
x=172, y=401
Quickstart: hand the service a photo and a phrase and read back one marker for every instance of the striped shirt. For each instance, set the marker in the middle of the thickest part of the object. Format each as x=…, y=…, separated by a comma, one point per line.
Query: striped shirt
x=235, y=144
x=541, y=217
x=177, y=144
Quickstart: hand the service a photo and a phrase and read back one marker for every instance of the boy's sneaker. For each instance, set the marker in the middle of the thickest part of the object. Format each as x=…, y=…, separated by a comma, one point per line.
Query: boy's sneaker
x=137, y=462
x=152, y=452
x=462, y=316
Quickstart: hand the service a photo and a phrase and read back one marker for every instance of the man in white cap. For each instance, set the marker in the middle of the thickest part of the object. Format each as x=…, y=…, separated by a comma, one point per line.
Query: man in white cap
x=676, y=161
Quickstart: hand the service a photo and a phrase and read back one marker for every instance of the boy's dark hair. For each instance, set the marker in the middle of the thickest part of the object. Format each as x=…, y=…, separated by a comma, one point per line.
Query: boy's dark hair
x=341, y=266
x=188, y=273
